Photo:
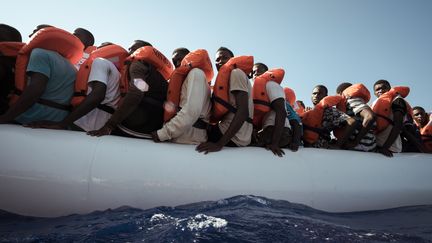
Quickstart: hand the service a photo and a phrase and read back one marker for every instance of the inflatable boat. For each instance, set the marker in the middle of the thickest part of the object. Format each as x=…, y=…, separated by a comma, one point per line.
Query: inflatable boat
x=54, y=173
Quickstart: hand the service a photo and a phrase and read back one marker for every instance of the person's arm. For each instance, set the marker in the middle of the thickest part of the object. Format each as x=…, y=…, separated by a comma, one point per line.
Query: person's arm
x=394, y=133
x=197, y=93
x=296, y=135
x=278, y=106
x=348, y=129
x=92, y=100
x=137, y=87
x=368, y=119
x=28, y=98
x=241, y=99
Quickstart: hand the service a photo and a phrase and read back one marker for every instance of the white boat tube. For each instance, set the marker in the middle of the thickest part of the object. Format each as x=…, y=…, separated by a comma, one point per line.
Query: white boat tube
x=53, y=173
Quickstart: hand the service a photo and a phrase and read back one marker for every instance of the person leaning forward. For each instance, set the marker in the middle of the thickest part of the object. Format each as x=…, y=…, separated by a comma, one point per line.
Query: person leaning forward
x=141, y=110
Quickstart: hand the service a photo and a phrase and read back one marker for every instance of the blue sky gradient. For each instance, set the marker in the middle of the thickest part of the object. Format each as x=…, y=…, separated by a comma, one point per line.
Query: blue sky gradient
x=315, y=41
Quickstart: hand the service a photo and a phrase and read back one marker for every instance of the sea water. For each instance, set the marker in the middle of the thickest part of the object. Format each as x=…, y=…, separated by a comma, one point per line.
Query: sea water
x=236, y=219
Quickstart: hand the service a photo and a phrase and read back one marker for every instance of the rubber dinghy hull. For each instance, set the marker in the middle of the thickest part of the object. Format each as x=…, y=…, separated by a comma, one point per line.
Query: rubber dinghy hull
x=53, y=173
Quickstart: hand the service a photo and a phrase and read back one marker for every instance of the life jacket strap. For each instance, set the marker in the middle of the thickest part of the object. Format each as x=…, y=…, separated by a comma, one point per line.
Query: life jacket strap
x=261, y=102
x=54, y=104
x=230, y=108
x=106, y=108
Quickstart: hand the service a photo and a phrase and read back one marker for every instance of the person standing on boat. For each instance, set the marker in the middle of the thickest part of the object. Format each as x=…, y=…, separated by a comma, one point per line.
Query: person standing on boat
x=141, y=110
x=189, y=98
x=234, y=124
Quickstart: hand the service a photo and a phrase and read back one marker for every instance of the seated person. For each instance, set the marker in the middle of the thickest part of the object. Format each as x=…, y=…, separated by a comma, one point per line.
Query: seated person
x=189, y=124
x=234, y=129
x=423, y=122
x=294, y=119
x=391, y=110
x=363, y=138
x=141, y=110
x=103, y=96
x=178, y=55
x=330, y=119
x=52, y=80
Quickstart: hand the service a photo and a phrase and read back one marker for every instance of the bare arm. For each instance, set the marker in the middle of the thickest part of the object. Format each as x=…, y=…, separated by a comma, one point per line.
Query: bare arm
x=368, y=119
x=394, y=133
x=28, y=98
x=296, y=135
x=278, y=106
x=241, y=98
x=137, y=70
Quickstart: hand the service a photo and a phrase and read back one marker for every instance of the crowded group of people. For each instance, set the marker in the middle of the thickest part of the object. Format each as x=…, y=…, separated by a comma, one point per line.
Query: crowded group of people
x=60, y=80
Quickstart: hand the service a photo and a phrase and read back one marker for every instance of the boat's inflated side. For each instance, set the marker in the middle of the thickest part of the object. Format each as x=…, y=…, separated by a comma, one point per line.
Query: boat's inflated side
x=51, y=173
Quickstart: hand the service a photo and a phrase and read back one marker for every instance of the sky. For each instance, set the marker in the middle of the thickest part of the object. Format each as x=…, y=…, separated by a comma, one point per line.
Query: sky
x=315, y=41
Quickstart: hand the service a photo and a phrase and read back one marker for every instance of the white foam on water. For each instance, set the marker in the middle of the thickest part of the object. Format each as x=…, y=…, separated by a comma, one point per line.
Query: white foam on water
x=156, y=218
x=202, y=221
x=259, y=200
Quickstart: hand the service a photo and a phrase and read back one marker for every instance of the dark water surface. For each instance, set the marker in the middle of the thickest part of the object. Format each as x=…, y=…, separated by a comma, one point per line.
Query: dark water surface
x=236, y=219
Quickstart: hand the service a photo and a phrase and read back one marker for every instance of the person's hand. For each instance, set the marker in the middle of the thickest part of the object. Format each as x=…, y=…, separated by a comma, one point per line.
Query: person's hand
x=308, y=108
x=155, y=137
x=275, y=149
x=105, y=130
x=385, y=151
x=208, y=147
x=294, y=147
x=47, y=124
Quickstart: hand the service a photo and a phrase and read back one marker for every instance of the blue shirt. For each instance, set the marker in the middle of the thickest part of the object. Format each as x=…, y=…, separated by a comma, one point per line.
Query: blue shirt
x=61, y=78
x=291, y=114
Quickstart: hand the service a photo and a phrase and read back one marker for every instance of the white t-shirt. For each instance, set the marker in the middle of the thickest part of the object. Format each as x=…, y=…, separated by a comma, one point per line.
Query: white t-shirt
x=105, y=72
x=274, y=92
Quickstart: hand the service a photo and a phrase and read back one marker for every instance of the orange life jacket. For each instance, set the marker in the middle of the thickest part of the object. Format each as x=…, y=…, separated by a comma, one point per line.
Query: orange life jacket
x=86, y=54
x=195, y=59
x=354, y=91
x=382, y=107
x=50, y=38
x=10, y=48
x=290, y=96
x=312, y=120
x=426, y=135
x=90, y=49
x=259, y=93
x=220, y=97
x=151, y=56
x=114, y=53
